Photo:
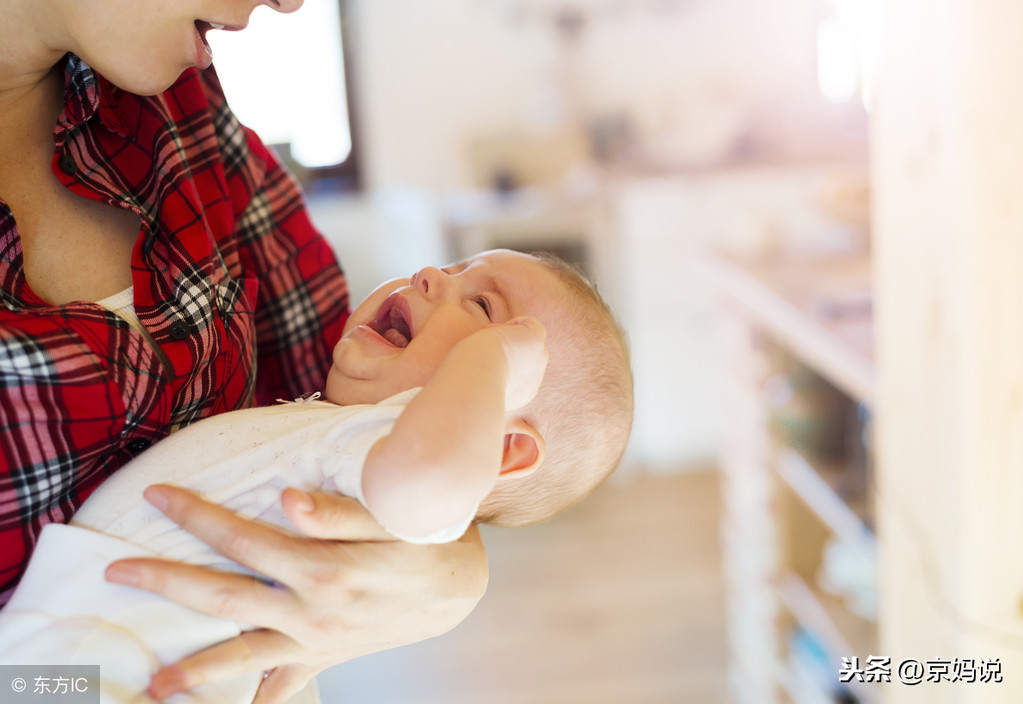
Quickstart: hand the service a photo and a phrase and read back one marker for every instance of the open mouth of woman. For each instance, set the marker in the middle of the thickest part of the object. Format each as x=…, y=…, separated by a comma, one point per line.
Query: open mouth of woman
x=202, y=28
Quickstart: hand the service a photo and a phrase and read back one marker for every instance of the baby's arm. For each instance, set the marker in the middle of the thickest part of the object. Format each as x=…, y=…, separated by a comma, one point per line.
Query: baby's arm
x=445, y=452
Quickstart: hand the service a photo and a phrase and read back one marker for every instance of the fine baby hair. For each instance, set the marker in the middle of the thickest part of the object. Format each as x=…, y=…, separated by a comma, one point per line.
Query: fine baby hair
x=584, y=407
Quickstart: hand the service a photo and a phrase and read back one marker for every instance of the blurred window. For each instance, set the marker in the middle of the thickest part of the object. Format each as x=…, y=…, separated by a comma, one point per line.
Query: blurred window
x=285, y=77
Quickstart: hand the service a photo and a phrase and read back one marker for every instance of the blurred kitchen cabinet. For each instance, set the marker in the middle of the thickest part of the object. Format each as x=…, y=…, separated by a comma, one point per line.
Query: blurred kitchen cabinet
x=800, y=556
x=662, y=226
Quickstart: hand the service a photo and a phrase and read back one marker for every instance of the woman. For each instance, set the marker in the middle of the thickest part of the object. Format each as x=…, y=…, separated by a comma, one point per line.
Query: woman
x=157, y=266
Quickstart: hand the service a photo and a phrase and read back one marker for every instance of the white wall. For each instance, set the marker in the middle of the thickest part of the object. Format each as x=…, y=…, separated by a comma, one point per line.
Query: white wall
x=428, y=75
x=431, y=75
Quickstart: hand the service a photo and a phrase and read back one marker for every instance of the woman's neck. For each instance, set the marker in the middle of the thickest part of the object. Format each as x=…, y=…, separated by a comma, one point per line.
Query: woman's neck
x=31, y=80
x=28, y=116
x=30, y=45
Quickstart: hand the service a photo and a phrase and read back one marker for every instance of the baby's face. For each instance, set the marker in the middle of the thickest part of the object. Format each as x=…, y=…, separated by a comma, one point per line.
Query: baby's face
x=396, y=338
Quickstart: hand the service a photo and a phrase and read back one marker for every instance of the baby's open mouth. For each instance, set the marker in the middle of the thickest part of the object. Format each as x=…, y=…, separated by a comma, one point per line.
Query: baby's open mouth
x=392, y=325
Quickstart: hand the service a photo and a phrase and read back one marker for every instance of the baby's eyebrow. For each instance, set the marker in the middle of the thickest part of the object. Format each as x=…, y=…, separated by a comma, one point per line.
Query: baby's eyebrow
x=492, y=284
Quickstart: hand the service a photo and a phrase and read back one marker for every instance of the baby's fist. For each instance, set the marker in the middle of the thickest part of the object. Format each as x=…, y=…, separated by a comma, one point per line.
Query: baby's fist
x=524, y=340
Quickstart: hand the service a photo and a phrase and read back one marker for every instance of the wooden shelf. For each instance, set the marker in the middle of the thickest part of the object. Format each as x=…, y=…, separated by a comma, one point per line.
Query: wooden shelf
x=811, y=486
x=801, y=686
x=787, y=312
x=816, y=306
x=842, y=633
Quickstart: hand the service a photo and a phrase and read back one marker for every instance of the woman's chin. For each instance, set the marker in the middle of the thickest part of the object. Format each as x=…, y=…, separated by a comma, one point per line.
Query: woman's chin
x=144, y=80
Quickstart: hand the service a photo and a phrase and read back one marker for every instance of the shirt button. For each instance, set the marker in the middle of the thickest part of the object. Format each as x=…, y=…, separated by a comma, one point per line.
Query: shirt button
x=68, y=165
x=180, y=331
x=137, y=445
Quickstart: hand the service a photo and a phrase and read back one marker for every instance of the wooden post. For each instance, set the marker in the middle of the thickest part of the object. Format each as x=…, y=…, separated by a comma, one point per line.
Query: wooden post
x=947, y=171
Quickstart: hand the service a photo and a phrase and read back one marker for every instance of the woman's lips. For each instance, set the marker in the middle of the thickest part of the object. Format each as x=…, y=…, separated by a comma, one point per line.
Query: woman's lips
x=203, y=52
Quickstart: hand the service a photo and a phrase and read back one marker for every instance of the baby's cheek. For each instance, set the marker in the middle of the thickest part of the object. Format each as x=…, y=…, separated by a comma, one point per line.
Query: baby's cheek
x=420, y=369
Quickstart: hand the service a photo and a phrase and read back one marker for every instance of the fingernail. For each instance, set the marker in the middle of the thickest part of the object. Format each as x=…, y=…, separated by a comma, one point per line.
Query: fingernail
x=167, y=681
x=122, y=574
x=156, y=497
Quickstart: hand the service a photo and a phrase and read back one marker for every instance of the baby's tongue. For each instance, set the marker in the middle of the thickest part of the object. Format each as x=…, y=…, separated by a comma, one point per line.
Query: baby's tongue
x=395, y=338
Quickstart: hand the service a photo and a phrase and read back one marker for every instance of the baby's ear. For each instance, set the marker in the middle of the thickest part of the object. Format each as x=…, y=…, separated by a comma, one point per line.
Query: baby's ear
x=524, y=448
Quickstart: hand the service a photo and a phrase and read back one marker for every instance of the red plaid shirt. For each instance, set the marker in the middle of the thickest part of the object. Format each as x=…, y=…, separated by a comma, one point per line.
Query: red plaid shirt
x=228, y=266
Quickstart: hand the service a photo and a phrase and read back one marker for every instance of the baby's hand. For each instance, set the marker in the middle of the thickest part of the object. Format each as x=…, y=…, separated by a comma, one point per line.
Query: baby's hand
x=524, y=340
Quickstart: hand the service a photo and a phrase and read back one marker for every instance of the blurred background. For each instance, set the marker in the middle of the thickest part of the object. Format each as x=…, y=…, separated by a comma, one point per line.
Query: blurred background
x=706, y=162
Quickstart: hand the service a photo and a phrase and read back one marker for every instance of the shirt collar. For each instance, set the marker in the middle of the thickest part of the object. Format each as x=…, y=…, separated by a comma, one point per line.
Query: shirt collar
x=86, y=95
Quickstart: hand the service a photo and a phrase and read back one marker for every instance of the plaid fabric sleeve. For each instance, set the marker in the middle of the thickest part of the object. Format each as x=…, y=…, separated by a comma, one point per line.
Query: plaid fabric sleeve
x=302, y=293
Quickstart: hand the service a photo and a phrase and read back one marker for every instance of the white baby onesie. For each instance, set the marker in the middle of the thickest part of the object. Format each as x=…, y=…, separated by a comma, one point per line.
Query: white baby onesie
x=64, y=612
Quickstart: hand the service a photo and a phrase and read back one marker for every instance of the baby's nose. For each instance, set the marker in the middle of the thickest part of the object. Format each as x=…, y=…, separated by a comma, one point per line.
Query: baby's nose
x=430, y=281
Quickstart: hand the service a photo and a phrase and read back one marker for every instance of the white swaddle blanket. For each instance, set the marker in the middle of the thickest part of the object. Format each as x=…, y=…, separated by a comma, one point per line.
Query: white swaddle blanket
x=64, y=612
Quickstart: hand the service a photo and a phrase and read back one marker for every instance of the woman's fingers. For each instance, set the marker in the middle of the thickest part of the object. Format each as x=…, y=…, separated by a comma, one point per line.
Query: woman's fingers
x=261, y=548
x=258, y=651
x=346, y=599
x=283, y=683
x=356, y=592
x=331, y=517
x=230, y=595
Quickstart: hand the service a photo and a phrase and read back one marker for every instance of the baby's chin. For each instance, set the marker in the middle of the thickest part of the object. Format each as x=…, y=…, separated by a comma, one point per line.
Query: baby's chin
x=334, y=389
x=343, y=390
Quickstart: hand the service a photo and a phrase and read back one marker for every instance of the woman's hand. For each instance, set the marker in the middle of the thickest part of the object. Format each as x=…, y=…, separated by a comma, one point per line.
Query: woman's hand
x=347, y=590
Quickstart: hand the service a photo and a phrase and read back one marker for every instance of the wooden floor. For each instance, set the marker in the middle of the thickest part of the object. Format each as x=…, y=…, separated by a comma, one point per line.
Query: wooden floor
x=618, y=601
